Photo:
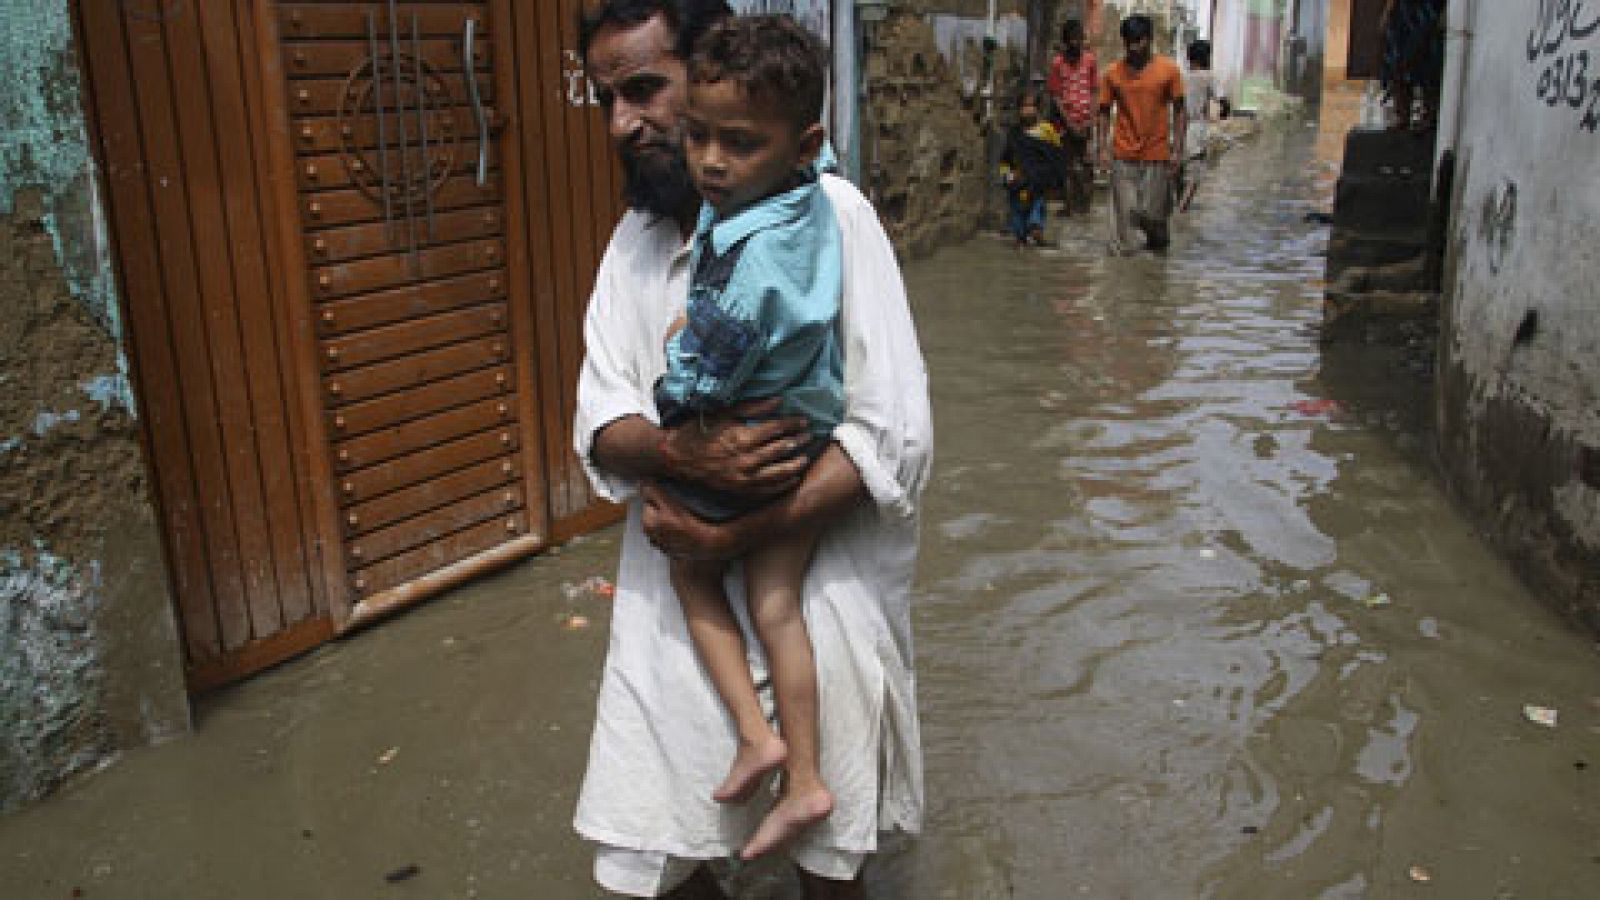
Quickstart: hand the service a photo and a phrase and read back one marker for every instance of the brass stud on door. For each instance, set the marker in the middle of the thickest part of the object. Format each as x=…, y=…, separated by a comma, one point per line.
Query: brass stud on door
x=336, y=388
x=327, y=317
x=353, y=520
x=349, y=488
x=502, y=409
x=344, y=456
x=311, y=172
x=307, y=133
x=511, y=526
x=361, y=585
x=510, y=498
x=505, y=438
x=356, y=552
x=314, y=209
x=506, y=468
x=338, y=423
x=320, y=246
x=303, y=95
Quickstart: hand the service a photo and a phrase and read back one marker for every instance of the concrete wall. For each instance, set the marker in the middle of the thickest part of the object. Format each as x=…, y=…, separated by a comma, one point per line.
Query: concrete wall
x=88, y=653
x=1519, y=375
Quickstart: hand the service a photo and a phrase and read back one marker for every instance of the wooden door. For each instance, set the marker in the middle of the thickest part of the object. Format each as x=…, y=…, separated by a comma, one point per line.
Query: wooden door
x=356, y=241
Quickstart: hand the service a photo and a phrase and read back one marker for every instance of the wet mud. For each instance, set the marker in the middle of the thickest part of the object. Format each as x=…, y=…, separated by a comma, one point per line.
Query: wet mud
x=1195, y=619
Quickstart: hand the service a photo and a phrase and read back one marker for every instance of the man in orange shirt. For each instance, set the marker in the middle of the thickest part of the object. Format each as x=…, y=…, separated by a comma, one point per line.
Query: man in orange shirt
x=1146, y=91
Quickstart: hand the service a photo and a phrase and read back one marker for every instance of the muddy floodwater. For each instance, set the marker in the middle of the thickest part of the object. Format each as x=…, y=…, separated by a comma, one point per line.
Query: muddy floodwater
x=1195, y=619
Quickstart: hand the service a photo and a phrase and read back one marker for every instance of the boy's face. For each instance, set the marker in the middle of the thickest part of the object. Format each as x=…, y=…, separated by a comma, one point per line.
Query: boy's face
x=739, y=151
x=1074, y=43
x=1028, y=112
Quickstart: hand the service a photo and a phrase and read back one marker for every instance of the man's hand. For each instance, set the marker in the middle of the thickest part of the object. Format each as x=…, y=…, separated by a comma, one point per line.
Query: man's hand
x=681, y=534
x=725, y=454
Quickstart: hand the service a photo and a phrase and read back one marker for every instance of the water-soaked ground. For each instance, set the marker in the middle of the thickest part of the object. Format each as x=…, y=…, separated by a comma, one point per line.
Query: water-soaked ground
x=1195, y=619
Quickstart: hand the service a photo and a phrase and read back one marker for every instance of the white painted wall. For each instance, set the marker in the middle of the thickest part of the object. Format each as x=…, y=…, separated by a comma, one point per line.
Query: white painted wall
x=1525, y=225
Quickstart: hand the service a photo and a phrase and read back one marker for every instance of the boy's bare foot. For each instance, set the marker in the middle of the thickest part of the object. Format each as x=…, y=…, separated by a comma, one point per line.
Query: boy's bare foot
x=751, y=763
x=795, y=812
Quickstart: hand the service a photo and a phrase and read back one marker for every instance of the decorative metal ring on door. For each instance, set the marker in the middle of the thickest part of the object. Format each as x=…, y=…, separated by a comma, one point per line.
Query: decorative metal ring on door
x=396, y=122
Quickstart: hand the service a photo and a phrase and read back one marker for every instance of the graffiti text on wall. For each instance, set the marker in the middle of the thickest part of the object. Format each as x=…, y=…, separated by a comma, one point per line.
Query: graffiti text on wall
x=1568, y=76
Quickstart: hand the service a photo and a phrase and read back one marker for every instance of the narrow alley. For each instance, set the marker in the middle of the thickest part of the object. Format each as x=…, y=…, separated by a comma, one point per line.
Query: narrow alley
x=1195, y=619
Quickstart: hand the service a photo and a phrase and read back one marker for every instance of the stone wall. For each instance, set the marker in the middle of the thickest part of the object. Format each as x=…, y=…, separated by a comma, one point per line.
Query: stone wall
x=1519, y=370
x=88, y=651
x=926, y=122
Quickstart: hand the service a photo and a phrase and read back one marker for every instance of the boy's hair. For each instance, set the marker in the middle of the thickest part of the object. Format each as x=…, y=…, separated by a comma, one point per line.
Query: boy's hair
x=1200, y=54
x=777, y=63
x=688, y=20
x=1137, y=27
x=1070, y=29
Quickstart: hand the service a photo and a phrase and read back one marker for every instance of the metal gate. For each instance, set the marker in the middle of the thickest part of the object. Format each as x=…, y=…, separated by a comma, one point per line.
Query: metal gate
x=355, y=242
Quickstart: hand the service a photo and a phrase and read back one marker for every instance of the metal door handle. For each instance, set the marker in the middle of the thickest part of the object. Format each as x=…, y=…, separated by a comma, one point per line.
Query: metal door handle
x=468, y=38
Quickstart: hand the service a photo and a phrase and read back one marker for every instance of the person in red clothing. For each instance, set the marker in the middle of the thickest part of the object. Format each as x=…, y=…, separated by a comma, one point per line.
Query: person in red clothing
x=1074, y=78
x=1146, y=148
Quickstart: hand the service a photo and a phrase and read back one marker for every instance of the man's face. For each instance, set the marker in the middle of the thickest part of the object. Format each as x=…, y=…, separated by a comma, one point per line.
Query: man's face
x=740, y=151
x=1138, y=51
x=642, y=88
x=1028, y=112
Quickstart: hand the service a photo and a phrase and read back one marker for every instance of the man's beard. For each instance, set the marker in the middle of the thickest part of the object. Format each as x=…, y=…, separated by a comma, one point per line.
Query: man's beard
x=658, y=183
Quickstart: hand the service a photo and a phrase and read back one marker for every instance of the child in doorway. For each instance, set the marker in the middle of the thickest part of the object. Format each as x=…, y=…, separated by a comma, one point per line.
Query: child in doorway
x=1030, y=165
x=765, y=280
x=1204, y=106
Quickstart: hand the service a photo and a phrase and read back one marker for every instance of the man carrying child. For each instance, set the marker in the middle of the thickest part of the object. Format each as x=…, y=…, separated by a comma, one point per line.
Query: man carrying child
x=666, y=787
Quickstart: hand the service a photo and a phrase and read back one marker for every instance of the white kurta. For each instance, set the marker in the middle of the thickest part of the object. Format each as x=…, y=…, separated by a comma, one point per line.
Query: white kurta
x=662, y=738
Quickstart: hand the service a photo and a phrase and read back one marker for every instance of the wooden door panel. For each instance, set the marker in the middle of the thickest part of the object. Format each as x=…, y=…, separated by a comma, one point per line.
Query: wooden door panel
x=420, y=434
x=400, y=412
x=341, y=58
x=414, y=336
x=433, y=524
x=420, y=370
x=307, y=94
x=353, y=314
x=397, y=571
x=350, y=20
x=363, y=518
x=352, y=242
x=438, y=457
x=347, y=207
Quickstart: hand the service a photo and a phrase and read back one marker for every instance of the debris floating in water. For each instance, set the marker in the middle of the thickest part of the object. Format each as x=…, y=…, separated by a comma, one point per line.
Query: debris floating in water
x=1376, y=601
x=1420, y=875
x=593, y=586
x=1540, y=715
x=1319, y=406
x=388, y=756
x=575, y=623
x=403, y=873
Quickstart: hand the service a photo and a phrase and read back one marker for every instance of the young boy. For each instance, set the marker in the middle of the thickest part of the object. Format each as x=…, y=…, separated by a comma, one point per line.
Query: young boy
x=1202, y=100
x=763, y=305
x=1074, y=78
x=1030, y=165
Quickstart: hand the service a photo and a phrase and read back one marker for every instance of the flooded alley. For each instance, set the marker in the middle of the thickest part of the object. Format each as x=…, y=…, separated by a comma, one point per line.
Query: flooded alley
x=1195, y=618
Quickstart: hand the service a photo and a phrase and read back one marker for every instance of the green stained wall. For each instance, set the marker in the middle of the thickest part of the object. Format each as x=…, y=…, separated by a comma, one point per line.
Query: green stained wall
x=88, y=661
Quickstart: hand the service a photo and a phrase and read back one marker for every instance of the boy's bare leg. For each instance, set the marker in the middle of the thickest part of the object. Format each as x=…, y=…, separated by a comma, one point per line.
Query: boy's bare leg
x=774, y=576
x=720, y=645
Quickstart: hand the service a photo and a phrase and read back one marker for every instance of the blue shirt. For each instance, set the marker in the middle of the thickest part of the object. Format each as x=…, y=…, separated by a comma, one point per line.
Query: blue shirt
x=762, y=319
